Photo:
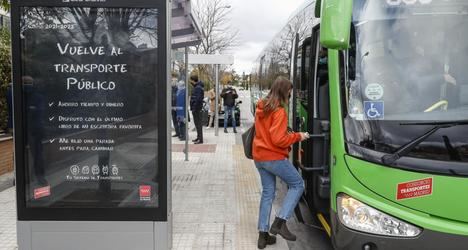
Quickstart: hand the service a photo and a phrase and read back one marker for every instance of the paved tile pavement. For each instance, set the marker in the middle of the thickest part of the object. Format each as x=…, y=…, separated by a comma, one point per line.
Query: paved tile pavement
x=7, y=220
x=6, y=181
x=216, y=197
x=202, y=148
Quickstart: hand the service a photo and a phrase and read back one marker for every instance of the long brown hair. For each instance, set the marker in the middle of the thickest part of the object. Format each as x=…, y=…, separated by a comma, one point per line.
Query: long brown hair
x=279, y=94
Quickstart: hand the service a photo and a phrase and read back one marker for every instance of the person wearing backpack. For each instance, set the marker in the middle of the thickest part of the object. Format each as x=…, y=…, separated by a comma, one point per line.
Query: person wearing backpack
x=271, y=146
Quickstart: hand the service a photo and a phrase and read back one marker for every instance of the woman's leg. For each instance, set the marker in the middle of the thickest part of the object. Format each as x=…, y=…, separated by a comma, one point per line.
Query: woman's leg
x=182, y=130
x=268, y=195
x=210, y=123
x=226, y=117
x=286, y=171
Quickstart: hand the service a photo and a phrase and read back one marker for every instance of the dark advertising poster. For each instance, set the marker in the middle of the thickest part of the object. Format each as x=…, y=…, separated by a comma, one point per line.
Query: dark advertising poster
x=90, y=106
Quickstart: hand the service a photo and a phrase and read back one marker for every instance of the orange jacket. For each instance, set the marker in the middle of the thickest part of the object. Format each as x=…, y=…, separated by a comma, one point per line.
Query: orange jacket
x=272, y=140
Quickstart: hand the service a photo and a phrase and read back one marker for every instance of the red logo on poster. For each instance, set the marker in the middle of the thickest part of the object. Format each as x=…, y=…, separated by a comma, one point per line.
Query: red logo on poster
x=414, y=189
x=41, y=192
x=145, y=193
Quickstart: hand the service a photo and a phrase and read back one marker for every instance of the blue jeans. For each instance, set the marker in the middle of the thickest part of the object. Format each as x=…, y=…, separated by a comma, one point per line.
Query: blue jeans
x=229, y=111
x=269, y=170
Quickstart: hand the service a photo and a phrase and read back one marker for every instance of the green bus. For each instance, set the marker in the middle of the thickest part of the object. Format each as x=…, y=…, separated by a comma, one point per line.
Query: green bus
x=383, y=87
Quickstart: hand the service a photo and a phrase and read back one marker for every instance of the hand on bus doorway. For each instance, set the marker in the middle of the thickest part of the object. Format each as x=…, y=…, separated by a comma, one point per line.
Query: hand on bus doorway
x=304, y=136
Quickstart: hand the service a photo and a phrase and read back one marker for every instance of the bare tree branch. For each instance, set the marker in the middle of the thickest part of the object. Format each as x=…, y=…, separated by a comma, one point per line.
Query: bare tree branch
x=218, y=35
x=214, y=17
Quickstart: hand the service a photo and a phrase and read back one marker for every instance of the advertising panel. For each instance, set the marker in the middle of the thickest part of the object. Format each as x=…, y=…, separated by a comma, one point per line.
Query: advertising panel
x=90, y=90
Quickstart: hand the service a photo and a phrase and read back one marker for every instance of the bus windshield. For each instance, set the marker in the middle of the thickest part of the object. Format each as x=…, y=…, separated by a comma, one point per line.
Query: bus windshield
x=411, y=60
x=408, y=62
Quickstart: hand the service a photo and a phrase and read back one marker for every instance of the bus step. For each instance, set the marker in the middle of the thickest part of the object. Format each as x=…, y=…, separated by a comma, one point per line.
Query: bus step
x=324, y=187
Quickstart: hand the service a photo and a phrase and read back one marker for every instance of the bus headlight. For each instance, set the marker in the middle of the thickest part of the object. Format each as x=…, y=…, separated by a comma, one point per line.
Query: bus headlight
x=361, y=217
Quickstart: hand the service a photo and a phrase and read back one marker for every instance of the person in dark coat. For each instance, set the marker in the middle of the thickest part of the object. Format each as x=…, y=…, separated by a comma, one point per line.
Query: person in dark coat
x=196, y=105
x=229, y=96
x=181, y=109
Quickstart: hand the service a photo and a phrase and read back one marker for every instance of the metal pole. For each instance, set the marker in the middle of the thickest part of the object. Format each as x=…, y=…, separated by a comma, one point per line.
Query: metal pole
x=216, y=119
x=186, y=104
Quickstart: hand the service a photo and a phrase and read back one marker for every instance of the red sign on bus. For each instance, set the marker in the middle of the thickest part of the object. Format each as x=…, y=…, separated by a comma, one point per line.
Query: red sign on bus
x=414, y=189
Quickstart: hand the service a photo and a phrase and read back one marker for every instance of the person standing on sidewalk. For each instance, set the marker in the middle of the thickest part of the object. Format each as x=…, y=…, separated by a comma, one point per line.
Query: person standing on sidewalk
x=229, y=96
x=196, y=105
x=181, y=109
x=212, y=100
x=271, y=147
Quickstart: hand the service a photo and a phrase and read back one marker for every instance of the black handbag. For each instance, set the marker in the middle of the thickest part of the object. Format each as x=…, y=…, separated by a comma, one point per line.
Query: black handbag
x=247, y=140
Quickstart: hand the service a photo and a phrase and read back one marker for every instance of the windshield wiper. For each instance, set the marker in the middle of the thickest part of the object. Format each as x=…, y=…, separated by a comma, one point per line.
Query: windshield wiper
x=452, y=123
x=389, y=159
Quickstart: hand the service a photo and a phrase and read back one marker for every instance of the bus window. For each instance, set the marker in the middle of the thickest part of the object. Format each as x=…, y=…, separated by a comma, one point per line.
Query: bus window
x=306, y=62
x=298, y=70
x=321, y=104
x=305, y=73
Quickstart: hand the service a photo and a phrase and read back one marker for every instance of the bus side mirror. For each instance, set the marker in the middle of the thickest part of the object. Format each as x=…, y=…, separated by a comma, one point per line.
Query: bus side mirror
x=335, y=23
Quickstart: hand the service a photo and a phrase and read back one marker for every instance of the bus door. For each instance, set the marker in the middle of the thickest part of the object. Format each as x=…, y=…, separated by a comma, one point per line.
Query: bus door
x=316, y=153
x=302, y=94
x=297, y=100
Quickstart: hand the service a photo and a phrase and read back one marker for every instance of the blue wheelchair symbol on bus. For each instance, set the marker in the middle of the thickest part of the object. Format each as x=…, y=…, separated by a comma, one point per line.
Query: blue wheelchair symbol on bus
x=374, y=110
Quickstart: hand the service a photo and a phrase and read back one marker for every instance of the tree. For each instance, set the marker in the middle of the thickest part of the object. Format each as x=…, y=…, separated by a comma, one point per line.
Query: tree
x=5, y=68
x=5, y=74
x=214, y=18
x=5, y=5
x=281, y=51
x=217, y=33
x=276, y=61
x=226, y=77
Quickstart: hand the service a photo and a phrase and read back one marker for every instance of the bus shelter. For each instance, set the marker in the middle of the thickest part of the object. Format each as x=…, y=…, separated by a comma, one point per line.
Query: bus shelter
x=91, y=124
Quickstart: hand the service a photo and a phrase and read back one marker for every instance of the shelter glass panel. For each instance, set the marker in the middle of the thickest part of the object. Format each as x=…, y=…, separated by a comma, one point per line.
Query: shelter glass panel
x=90, y=107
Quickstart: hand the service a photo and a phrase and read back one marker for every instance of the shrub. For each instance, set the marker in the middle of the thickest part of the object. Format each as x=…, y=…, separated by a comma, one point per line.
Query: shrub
x=5, y=74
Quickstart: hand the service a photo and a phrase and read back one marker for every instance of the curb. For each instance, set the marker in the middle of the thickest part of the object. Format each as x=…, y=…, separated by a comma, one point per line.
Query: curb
x=7, y=181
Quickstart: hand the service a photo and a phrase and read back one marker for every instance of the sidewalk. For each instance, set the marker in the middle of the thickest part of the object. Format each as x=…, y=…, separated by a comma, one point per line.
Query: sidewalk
x=216, y=197
x=8, y=219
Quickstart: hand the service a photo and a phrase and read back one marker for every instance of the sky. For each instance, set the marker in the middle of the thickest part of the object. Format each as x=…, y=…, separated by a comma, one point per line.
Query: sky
x=258, y=21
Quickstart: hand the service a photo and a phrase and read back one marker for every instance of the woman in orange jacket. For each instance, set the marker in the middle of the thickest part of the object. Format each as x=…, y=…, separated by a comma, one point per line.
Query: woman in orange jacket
x=271, y=147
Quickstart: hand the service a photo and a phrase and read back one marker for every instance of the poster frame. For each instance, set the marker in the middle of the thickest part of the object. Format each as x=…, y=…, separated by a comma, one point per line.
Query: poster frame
x=160, y=213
